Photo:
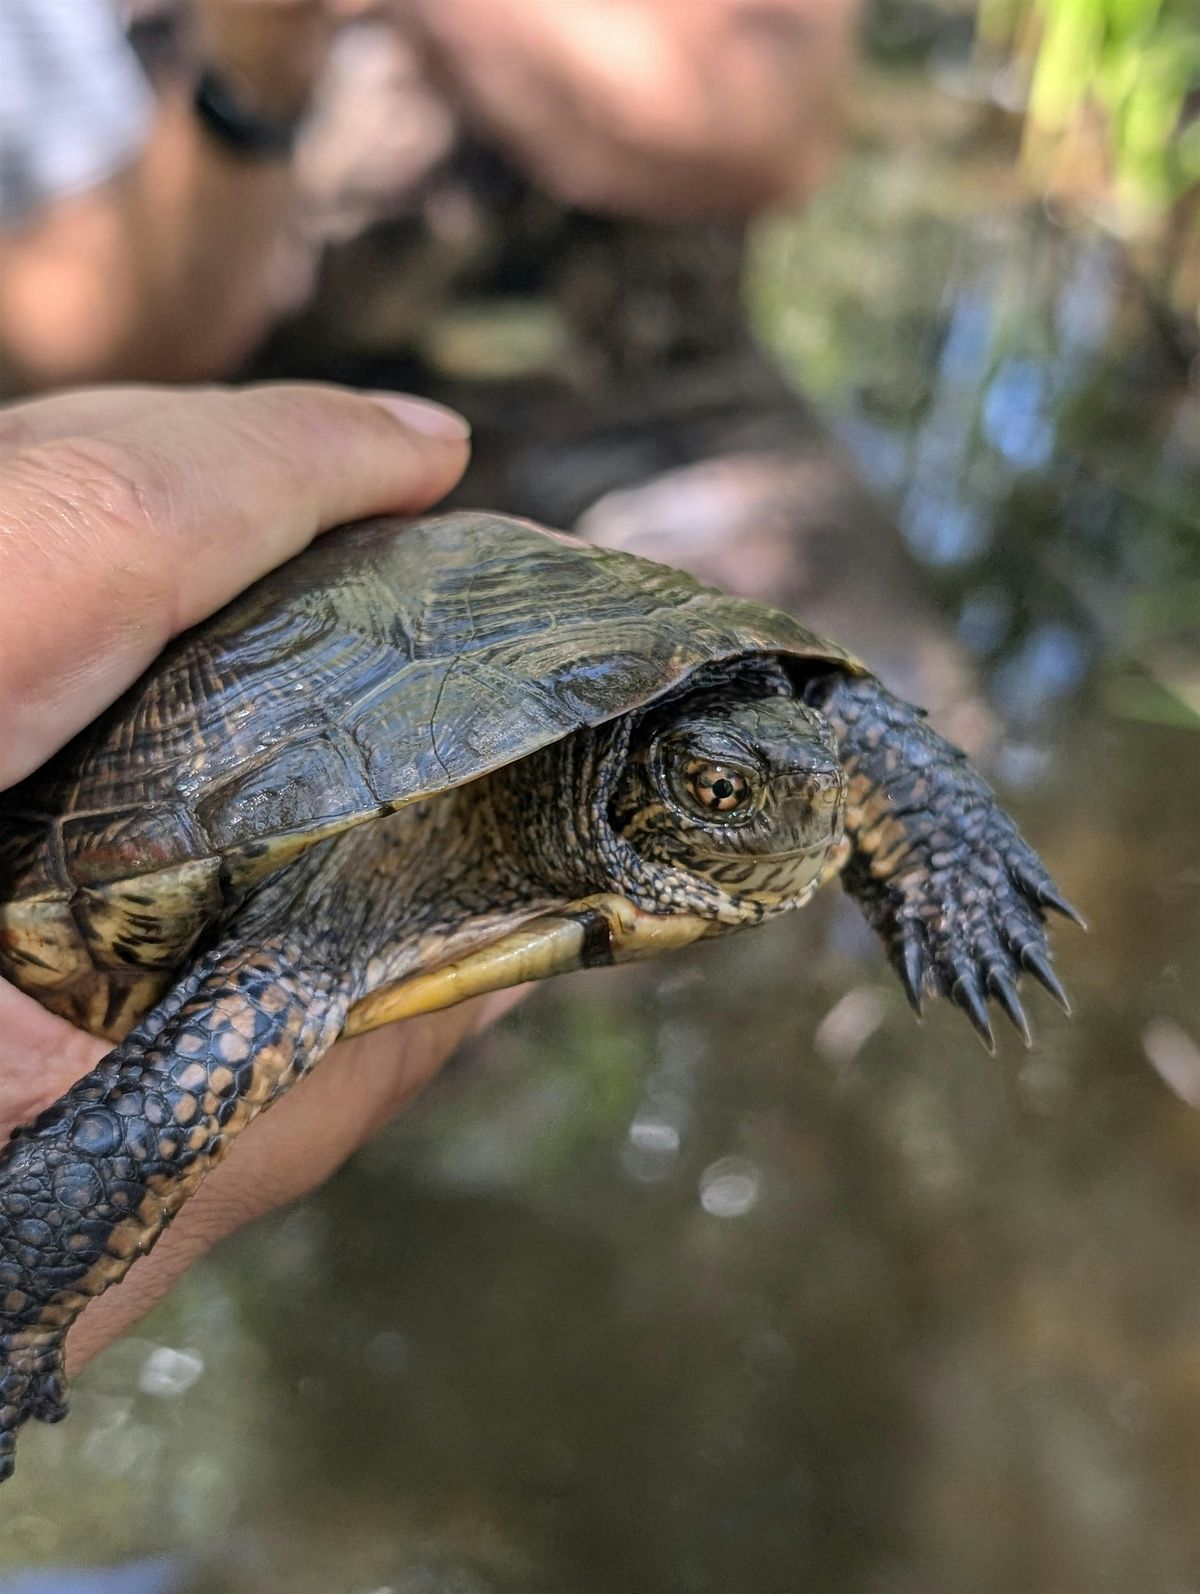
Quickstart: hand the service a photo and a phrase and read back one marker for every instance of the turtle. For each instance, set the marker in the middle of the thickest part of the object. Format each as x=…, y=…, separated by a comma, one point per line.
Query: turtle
x=423, y=760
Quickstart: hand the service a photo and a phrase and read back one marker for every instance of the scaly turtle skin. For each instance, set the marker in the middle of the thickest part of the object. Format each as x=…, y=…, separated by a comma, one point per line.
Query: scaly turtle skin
x=419, y=762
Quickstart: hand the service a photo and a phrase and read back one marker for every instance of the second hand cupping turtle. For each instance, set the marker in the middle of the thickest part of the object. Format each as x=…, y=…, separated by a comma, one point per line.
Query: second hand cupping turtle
x=419, y=762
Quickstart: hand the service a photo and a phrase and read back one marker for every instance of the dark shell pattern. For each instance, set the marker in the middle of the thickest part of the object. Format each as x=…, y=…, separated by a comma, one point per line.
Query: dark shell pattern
x=390, y=661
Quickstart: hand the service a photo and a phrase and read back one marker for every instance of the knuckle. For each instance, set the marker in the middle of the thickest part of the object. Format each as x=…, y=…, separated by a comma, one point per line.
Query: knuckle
x=291, y=417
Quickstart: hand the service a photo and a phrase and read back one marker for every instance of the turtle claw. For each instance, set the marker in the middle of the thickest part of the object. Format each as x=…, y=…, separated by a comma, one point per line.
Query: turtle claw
x=1002, y=988
x=966, y=993
x=985, y=927
x=966, y=929
x=1038, y=964
x=1029, y=874
x=912, y=966
x=1049, y=896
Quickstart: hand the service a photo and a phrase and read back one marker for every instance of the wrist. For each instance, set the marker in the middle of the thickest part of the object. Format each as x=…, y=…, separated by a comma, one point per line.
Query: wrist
x=270, y=56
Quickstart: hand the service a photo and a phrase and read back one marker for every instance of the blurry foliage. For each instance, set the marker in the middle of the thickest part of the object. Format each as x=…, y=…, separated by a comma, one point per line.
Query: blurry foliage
x=1006, y=378
x=1117, y=80
x=1104, y=98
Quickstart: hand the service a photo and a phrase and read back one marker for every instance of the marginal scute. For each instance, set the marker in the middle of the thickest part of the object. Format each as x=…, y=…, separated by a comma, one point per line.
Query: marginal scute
x=269, y=796
x=40, y=944
x=159, y=925
x=102, y=846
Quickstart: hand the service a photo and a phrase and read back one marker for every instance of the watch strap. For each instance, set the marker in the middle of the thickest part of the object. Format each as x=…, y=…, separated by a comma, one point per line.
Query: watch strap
x=227, y=116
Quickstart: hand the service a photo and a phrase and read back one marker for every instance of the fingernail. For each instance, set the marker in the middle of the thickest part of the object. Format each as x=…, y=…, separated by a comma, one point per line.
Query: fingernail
x=424, y=416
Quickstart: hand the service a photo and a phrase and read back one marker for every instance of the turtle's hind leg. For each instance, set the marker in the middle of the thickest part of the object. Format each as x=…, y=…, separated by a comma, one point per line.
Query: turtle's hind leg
x=91, y=1184
x=940, y=870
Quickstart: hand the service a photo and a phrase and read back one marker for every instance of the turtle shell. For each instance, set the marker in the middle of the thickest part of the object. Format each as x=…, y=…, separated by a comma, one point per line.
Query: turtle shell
x=390, y=661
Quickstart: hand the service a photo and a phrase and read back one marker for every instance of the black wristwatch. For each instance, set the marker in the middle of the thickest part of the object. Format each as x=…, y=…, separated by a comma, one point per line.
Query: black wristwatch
x=227, y=116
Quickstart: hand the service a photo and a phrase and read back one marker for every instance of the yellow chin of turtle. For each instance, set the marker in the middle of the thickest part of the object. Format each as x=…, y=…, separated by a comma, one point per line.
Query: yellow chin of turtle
x=595, y=931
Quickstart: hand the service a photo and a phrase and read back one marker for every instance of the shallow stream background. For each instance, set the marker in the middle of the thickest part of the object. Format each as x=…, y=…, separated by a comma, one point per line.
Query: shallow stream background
x=723, y=1276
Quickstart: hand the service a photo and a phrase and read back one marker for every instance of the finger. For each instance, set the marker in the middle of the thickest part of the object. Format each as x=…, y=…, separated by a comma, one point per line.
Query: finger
x=288, y=1152
x=112, y=542
x=41, y=1056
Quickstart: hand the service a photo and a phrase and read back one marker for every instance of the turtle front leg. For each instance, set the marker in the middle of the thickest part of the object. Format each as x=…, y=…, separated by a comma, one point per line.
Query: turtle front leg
x=90, y=1185
x=940, y=870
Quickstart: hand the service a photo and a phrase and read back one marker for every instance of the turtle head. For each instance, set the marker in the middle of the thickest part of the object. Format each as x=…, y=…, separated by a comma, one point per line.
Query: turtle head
x=712, y=810
x=733, y=802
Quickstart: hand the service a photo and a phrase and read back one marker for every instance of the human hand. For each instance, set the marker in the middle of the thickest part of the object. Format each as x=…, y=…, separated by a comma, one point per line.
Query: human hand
x=126, y=515
x=649, y=106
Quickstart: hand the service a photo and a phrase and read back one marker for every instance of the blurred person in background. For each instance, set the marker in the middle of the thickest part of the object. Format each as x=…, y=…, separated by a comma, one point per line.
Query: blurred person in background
x=157, y=225
x=534, y=210
x=149, y=231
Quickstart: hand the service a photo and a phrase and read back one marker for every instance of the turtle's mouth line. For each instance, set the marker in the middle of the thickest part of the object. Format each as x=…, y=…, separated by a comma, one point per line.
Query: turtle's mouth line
x=811, y=851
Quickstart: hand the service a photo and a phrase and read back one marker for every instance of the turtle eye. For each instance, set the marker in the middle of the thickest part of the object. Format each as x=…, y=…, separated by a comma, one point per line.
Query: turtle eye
x=717, y=788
